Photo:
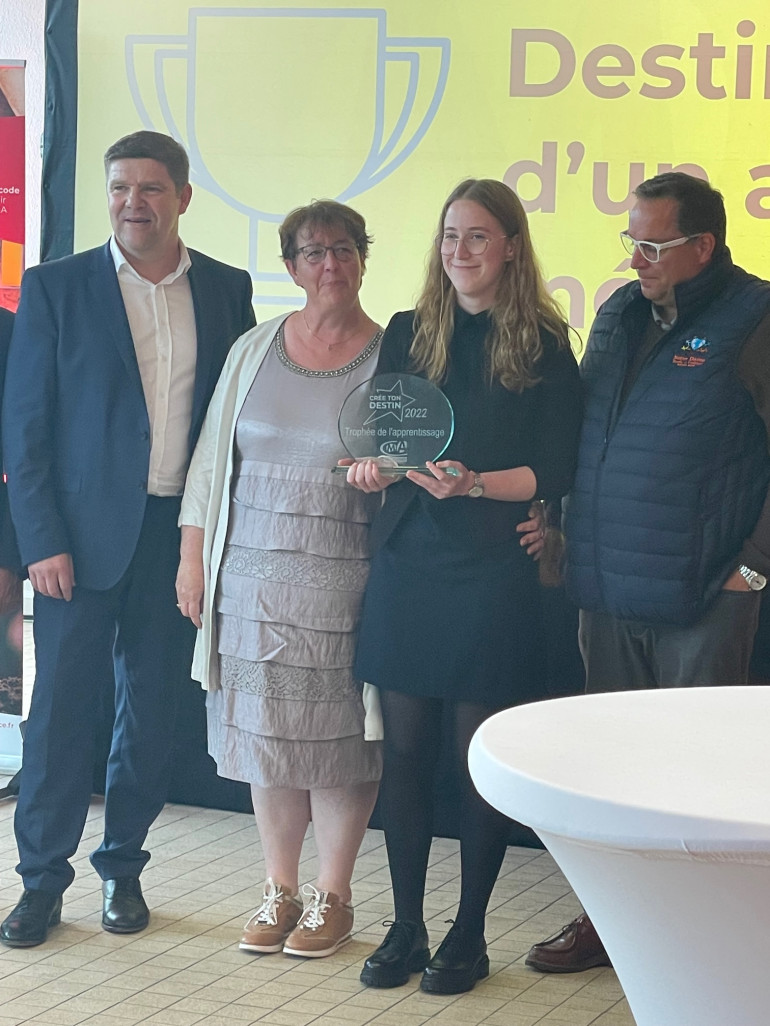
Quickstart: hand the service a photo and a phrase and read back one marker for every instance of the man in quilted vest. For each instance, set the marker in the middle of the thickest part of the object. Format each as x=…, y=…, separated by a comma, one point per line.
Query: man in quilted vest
x=668, y=524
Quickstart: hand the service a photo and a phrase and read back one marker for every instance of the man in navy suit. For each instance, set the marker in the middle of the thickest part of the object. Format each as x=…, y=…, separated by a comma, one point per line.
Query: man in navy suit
x=114, y=357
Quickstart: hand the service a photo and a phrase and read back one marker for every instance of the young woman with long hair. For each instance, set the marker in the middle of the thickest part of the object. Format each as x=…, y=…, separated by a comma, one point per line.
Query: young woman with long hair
x=450, y=629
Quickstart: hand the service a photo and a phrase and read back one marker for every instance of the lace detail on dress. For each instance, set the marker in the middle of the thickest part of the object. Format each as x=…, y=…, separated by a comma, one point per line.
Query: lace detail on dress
x=273, y=680
x=296, y=568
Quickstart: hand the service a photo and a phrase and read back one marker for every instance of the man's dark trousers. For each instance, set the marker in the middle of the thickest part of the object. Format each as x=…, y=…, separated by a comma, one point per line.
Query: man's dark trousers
x=152, y=646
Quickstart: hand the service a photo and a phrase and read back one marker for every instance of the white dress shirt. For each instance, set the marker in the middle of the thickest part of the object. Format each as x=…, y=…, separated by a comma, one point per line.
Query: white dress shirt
x=162, y=322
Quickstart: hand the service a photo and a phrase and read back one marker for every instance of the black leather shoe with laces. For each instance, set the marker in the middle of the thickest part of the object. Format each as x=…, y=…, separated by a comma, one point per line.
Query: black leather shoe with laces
x=124, y=909
x=404, y=951
x=460, y=961
x=28, y=924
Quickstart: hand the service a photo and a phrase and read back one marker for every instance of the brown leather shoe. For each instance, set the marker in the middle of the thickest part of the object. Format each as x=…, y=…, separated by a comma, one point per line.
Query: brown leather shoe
x=573, y=949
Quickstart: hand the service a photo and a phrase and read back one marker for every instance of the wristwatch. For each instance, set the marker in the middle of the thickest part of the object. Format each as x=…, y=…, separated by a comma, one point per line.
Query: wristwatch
x=478, y=488
x=755, y=580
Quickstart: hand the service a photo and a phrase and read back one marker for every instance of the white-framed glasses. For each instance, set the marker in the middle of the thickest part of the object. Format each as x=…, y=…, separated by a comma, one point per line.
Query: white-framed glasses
x=316, y=254
x=476, y=242
x=651, y=250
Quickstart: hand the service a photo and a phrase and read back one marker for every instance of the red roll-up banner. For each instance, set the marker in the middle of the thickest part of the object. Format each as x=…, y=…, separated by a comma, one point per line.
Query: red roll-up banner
x=11, y=181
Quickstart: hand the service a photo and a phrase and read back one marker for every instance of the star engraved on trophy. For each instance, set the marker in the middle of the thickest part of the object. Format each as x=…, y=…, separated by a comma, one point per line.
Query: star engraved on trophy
x=387, y=402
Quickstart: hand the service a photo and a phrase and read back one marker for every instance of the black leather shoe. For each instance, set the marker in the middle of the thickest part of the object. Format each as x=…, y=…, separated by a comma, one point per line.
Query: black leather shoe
x=404, y=951
x=460, y=961
x=28, y=924
x=124, y=910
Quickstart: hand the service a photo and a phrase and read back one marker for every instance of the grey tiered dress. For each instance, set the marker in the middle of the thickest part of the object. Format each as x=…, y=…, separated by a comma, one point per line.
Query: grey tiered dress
x=289, y=712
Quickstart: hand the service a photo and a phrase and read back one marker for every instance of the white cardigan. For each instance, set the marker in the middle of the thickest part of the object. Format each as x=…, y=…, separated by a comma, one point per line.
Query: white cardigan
x=206, y=501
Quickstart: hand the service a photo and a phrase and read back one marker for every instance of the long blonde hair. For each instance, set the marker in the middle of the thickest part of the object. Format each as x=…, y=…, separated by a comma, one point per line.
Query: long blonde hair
x=522, y=304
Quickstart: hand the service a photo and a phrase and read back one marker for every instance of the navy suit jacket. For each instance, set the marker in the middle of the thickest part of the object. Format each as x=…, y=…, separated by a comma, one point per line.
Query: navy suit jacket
x=9, y=553
x=76, y=432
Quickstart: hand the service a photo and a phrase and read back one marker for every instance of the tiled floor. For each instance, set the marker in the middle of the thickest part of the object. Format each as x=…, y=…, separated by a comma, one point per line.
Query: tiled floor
x=202, y=884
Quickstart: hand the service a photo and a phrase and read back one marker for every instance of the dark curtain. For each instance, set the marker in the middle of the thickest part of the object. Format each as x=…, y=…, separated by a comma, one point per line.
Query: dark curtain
x=60, y=129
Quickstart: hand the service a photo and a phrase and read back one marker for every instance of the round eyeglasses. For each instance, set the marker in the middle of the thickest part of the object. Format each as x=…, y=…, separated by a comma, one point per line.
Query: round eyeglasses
x=316, y=254
x=651, y=250
x=475, y=243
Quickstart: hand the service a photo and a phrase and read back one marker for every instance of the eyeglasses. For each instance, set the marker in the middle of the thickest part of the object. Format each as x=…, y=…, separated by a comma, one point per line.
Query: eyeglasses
x=475, y=243
x=316, y=254
x=651, y=250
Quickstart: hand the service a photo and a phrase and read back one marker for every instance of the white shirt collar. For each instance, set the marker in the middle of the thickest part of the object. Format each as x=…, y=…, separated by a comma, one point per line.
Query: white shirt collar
x=121, y=264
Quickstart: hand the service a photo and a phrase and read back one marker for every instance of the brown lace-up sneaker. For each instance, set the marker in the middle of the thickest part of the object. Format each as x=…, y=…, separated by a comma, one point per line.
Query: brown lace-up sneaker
x=326, y=925
x=273, y=921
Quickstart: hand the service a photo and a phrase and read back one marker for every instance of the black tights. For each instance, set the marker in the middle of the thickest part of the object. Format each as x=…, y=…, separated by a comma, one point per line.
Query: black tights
x=413, y=736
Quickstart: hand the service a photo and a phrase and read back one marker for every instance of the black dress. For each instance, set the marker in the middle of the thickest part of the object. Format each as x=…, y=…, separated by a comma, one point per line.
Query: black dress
x=452, y=604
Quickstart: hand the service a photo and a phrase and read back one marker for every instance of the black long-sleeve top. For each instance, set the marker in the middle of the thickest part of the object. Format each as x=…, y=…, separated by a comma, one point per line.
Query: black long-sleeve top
x=495, y=429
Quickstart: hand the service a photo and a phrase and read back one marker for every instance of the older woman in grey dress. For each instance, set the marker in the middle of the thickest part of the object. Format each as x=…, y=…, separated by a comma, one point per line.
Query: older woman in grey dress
x=273, y=565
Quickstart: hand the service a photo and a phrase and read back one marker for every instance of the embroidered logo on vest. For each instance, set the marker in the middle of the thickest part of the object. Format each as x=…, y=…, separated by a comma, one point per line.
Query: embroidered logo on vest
x=693, y=353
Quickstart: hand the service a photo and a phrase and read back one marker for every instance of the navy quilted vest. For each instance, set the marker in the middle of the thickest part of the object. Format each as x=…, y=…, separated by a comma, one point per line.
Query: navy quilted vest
x=669, y=486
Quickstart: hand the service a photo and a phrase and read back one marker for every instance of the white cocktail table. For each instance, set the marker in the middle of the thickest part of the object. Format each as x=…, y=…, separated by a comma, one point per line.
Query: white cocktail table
x=656, y=807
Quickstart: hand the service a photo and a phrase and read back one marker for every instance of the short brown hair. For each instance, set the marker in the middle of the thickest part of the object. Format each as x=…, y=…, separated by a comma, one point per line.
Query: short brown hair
x=323, y=214
x=152, y=146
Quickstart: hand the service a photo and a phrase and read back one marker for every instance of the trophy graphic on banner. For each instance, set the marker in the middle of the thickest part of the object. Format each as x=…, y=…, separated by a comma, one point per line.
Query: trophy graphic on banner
x=277, y=105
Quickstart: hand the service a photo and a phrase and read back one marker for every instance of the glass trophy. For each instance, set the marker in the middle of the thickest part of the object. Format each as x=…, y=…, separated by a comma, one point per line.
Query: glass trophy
x=399, y=420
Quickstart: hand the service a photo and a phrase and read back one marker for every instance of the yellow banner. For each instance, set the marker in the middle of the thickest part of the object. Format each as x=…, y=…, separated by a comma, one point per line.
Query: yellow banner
x=388, y=107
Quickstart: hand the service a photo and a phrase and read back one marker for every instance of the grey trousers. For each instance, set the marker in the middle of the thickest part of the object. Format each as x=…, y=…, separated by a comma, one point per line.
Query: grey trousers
x=630, y=655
